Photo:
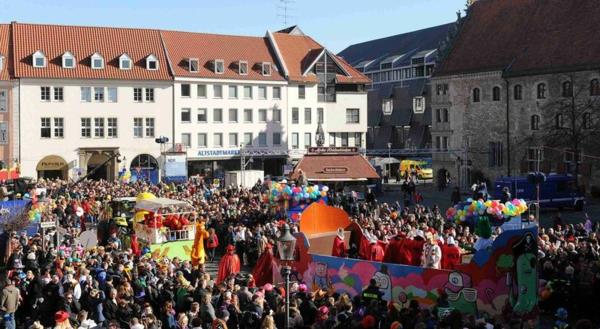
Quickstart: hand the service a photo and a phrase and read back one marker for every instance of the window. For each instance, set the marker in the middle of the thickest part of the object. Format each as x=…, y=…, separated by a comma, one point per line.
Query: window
x=99, y=127
x=3, y=132
x=219, y=66
x=86, y=127
x=535, y=122
x=262, y=115
x=186, y=115
x=112, y=94
x=587, y=120
x=45, y=94
x=233, y=139
x=233, y=115
x=419, y=104
x=441, y=89
x=344, y=139
x=185, y=90
x=445, y=143
x=248, y=115
x=571, y=156
x=438, y=115
x=352, y=116
x=320, y=115
x=125, y=62
x=138, y=127
x=301, y=92
x=358, y=139
x=387, y=106
x=295, y=141
x=518, y=92
x=243, y=68
x=559, y=121
x=46, y=129
x=217, y=115
x=97, y=61
x=68, y=60
x=186, y=139
x=438, y=143
x=233, y=92
x=248, y=139
x=495, y=154
x=39, y=59
x=266, y=69
x=331, y=139
x=445, y=115
x=496, y=94
x=262, y=92
x=202, y=140
x=307, y=116
x=149, y=94
x=541, y=91
x=567, y=89
x=535, y=154
x=193, y=65
x=295, y=115
x=111, y=128
x=59, y=94
x=202, y=115
x=594, y=87
x=149, y=127
x=99, y=94
x=276, y=115
x=218, y=140
x=276, y=92
x=476, y=95
x=137, y=94
x=276, y=139
x=217, y=91
x=248, y=92
x=262, y=139
x=59, y=127
x=307, y=140
x=151, y=62
x=201, y=91
x=3, y=100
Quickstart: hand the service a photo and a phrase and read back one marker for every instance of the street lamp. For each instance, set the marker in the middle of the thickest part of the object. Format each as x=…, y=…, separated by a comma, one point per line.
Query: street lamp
x=286, y=245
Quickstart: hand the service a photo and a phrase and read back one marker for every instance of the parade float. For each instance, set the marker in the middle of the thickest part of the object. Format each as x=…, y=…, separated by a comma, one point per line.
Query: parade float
x=501, y=273
x=166, y=226
x=290, y=200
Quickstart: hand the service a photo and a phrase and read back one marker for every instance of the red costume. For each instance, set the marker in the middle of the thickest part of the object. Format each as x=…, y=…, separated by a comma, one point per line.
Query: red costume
x=339, y=247
x=229, y=264
x=416, y=250
x=450, y=257
x=376, y=252
x=135, y=247
x=398, y=252
x=263, y=271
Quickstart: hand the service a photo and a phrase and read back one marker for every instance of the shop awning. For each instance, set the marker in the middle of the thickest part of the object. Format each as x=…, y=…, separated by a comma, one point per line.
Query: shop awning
x=335, y=168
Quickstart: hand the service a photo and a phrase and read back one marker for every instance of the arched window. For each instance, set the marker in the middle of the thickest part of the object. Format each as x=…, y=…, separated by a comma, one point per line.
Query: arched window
x=541, y=91
x=595, y=87
x=476, y=95
x=559, y=120
x=567, y=89
x=496, y=93
x=518, y=92
x=535, y=122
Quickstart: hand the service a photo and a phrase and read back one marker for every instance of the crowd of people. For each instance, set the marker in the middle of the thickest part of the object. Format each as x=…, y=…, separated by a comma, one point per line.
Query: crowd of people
x=64, y=285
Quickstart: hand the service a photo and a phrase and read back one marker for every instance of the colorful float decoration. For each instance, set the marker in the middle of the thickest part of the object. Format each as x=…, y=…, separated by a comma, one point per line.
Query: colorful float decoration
x=494, y=209
x=296, y=194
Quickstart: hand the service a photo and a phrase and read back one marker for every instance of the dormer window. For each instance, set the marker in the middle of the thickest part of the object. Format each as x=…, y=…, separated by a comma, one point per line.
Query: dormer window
x=151, y=62
x=243, y=68
x=193, y=64
x=68, y=60
x=387, y=106
x=219, y=66
x=97, y=61
x=266, y=68
x=125, y=62
x=39, y=59
x=419, y=104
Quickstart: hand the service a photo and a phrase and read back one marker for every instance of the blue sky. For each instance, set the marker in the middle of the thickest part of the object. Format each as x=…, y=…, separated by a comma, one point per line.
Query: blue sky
x=334, y=23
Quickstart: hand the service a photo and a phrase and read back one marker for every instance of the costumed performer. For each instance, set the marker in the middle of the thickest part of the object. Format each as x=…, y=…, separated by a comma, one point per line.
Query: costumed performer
x=339, y=245
x=198, y=254
x=229, y=264
x=263, y=271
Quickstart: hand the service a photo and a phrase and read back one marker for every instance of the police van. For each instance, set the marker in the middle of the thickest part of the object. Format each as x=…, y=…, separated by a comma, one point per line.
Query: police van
x=556, y=191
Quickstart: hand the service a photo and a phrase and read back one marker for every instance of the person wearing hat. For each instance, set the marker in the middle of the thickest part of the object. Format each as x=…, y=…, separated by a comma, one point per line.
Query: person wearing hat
x=229, y=264
x=339, y=245
x=432, y=254
x=61, y=320
x=450, y=254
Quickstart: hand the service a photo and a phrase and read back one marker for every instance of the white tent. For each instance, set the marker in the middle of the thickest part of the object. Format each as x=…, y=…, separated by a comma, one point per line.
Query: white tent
x=155, y=204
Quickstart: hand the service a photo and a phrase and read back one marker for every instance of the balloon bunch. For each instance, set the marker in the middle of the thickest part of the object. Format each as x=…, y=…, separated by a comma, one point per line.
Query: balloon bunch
x=35, y=213
x=283, y=191
x=125, y=177
x=492, y=208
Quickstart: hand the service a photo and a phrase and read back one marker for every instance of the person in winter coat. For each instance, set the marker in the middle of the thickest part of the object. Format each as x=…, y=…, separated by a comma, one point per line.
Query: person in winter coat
x=212, y=243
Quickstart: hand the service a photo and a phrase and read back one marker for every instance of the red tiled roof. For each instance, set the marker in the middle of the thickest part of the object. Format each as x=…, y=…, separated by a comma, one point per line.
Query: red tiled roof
x=82, y=42
x=299, y=51
x=335, y=168
x=535, y=36
x=231, y=48
x=4, y=50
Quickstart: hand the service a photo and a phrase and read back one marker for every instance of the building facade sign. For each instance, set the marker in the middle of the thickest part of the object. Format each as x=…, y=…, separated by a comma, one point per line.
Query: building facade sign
x=210, y=153
x=333, y=150
x=335, y=170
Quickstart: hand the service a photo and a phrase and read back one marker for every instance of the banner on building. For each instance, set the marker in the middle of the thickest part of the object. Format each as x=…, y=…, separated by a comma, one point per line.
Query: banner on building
x=175, y=168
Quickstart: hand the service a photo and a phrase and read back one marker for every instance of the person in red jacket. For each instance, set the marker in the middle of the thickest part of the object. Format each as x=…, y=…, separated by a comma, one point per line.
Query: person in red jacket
x=339, y=245
x=399, y=250
x=376, y=251
x=211, y=244
x=450, y=254
x=416, y=248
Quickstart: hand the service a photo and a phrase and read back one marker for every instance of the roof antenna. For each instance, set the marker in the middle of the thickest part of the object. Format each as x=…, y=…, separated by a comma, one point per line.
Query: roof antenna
x=284, y=8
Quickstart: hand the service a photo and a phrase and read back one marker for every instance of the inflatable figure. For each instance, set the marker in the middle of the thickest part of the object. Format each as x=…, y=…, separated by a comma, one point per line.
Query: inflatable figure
x=523, y=283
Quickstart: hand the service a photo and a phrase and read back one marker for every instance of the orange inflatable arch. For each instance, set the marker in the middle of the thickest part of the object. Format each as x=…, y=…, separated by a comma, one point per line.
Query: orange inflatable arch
x=320, y=218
